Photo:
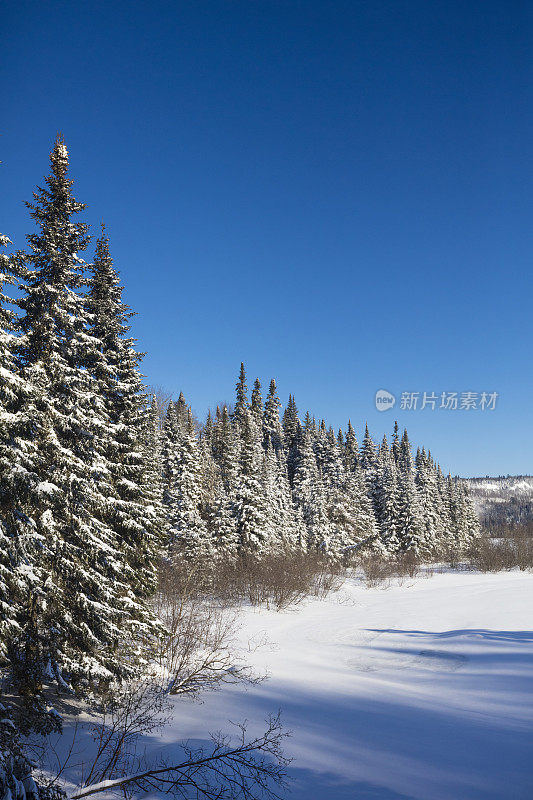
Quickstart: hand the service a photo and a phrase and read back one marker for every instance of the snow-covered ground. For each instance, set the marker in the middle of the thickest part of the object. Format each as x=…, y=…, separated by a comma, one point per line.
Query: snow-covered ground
x=422, y=690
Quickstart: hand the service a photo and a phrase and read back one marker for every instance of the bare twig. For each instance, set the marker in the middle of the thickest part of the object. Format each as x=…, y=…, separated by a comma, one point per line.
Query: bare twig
x=247, y=770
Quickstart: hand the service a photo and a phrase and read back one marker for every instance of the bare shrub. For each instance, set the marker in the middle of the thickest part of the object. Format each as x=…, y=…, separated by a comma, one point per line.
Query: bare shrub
x=494, y=555
x=197, y=650
x=408, y=564
x=449, y=554
x=379, y=569
x=523, y=548
x=328, y=577
x=276, y=580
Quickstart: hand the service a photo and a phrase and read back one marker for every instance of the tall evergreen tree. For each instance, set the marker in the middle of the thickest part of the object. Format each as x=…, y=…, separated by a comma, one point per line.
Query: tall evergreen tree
x=182, y=412
x=310, y=495
x=385, y=498
x=21, y=576
x=430, y=500
x=351, y=450
x=368, y=451
x=292, y=432
x=271, y=423
x=257, y=403
x=411, y=529
x=129, y=511
x=153, y=469
x=189, y=534
x=332, y=466
x=81, y=625
x=351, y=519
x=291, y=424
x=227, y=451
x=250, y=499
x=395, y=447
x=222, y=524
x=241, y=404
x=12, y=389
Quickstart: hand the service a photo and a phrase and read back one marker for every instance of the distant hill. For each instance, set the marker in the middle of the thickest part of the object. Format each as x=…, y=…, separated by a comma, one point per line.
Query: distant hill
x=503, y=501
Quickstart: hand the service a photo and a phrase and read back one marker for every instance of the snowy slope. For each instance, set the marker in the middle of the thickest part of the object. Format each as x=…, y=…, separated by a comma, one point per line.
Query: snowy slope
x=420, y=690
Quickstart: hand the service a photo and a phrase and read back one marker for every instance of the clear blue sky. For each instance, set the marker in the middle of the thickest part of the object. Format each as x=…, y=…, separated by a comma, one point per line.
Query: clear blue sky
x=338, y=194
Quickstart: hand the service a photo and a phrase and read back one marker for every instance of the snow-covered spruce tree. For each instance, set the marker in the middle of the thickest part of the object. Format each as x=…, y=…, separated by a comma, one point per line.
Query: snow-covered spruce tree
x=430, y=500
x=351, y=450
x=17, y=780
x=226, y=450
x=182, y=493
x=309, y=424
x=293, y=531
x=20, y=548
x=290, y=423
x=284, y=529
x=450, y=505
x=241, y=403
x=207, y=431
x=443, y=500
x=310, y=495
x=350, y=514
x=306, y=474
x=321, y=533
x=126, y=466
x=292, y=432
x=222, y=524
x=250, y=513
x=368, y=452
x=273, y=521
x=364, y=529
x=395, y=446
x=209, y=471
x=319, y=438
x=471, y=518
x=257, y=403
x=153, y=465
x=182, y=412
x=79, y=627
x=169, y=453
x=351, y=523
x=410, y=523
x=188, y=531
x=466, y=523
x=272, y=431
x=385, y=498
x=332, y=466
x=12, y=389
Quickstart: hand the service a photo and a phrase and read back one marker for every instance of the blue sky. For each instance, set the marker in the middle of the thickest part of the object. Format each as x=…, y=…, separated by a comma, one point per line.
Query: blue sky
x=338, y=194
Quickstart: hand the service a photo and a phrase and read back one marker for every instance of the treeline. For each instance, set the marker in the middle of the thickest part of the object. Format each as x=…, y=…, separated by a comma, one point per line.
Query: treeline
x=253, y=481
x=94, y=490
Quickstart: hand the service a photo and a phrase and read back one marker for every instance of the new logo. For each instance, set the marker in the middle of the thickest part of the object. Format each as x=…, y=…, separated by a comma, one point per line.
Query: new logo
x=384, y=400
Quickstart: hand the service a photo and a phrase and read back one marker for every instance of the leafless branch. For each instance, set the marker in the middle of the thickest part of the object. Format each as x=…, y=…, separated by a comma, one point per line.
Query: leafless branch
x=247, y=770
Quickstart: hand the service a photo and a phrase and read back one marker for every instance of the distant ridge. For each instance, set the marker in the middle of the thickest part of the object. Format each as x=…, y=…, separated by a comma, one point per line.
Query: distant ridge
x=503, y=500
